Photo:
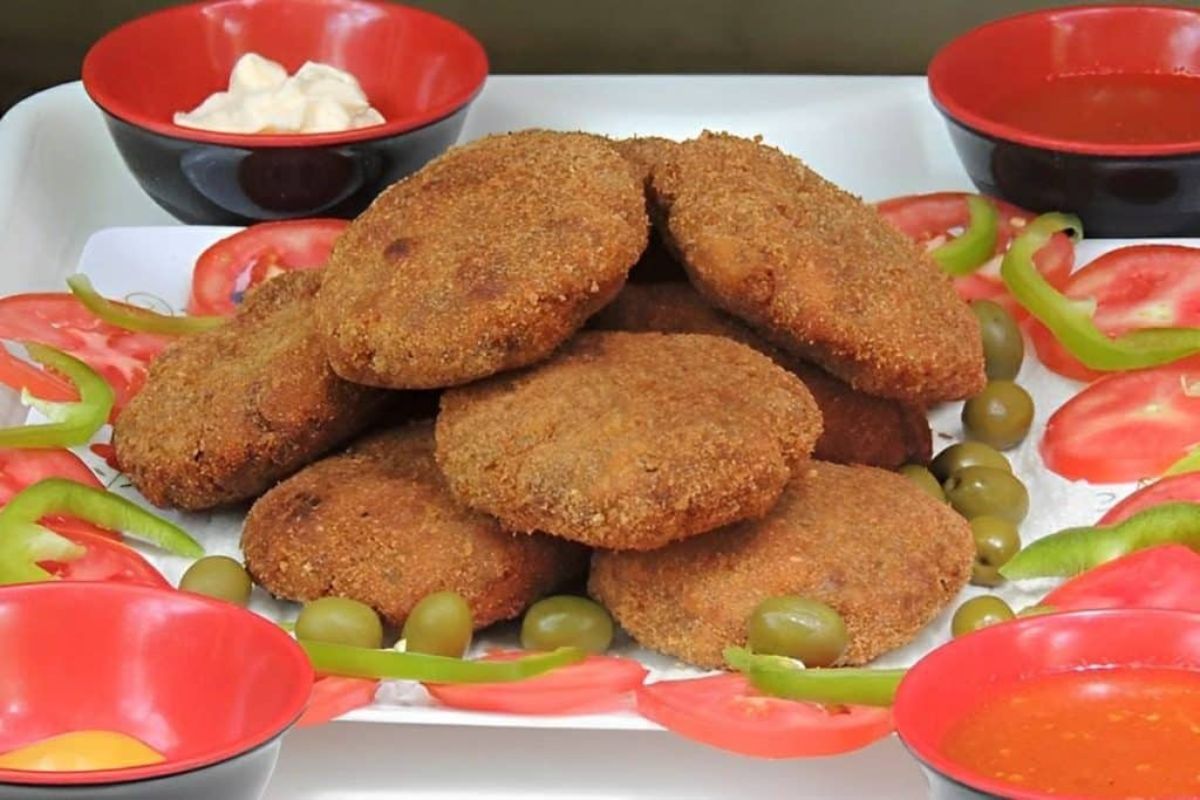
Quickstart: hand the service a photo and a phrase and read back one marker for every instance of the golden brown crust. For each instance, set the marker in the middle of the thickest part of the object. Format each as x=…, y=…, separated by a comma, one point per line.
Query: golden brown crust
x=378, y=525
x=228, y=412
x=645, y=152
x=628, y=440
x=485, y=260
x=867, y=542
x=656, y=263
x=816, y=270
x=858, y=428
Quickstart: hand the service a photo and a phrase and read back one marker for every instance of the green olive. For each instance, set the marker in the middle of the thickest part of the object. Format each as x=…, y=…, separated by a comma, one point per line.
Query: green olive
x=984, y=575
x=339, y=620
x=566, y=621
x=218, y=576
x=923, y=478
x=1037, y=610
x=1003, y=345
x=1000, y=415
x=799, y=628
x=996, y=540
x=983, y=491
x=439, y=625
x=967, y=454
x=979, y=612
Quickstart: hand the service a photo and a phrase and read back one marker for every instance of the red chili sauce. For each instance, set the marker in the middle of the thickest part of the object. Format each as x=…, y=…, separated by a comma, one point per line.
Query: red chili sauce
x=1104, y=733
x=1108, y=109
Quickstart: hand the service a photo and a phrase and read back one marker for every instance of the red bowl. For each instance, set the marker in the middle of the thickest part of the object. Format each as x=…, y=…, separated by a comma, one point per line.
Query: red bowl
x=198, y=680
x=954, y=679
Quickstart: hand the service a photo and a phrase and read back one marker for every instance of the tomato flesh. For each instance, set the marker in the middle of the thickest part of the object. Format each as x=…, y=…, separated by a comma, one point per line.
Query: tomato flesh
x=105, y=560
x=932, y=219
x=724, y=711
x=23, y=467
x=234, y=265
x=333, y=696
x=1174, y=489
x=1143, y=286
x=1158, y=577
x=1127, y=426
x=594, y=685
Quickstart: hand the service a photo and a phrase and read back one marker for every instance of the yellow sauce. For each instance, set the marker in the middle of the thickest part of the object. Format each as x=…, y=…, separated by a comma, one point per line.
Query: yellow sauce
x=82, y=751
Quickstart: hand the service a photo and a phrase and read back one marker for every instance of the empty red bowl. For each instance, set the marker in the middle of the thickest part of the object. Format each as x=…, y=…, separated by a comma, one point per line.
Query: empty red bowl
x=421, y=71
x=207, y=684
x=1119, y=189
x=954, y=679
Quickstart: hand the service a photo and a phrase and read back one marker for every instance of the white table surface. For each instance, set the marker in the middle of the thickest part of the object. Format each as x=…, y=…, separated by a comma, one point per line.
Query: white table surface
x=61, y=180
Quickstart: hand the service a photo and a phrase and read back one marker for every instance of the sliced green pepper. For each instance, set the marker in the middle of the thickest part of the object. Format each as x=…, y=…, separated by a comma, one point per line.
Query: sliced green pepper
x=1075, y=550
x=23, y=542
x=970, y=251
x=780, y=677
x=362, y=662
x=132, y=318
x=1071, y=320
x=1189, y=463
x=71, y=424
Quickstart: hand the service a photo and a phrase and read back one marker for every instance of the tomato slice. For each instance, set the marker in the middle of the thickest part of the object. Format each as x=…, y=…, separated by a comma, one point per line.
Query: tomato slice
x=105, y=560
x=1143, y=286
x=596, y=684
x=59, y=320
x=932, y=219
x=229, y=268
x=1175, y=489
x=1158, y=577
x=333, y=696
x=1127, y=426
x=23, y=467
x=724, y=711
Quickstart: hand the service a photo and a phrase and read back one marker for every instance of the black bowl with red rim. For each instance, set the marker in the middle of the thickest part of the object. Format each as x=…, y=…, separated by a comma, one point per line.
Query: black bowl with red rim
x=1092, y=110
x=421, y=71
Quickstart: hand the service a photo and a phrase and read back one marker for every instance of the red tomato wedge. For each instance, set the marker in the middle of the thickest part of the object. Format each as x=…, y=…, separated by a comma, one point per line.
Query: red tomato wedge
x=1128, y=426
x=59, y=320
x=933, y=219
x=724, y=711
x=105, y=560
x=228, y=269
x=1175, y=489
x=1143, y=286
x=1158, y=577
x=594, y=685
x=333, y=696
x=23, y=467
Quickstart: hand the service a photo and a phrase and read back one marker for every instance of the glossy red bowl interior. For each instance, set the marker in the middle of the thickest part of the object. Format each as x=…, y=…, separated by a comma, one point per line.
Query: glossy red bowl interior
x=954, y=679
x=415, y=67
x=198, y=680
x=979, y=70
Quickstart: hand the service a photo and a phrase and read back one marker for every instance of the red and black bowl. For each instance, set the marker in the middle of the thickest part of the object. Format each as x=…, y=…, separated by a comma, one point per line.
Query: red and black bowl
x=1119, y=189
x=421, y=71
x=210, y=686
x=955, y=679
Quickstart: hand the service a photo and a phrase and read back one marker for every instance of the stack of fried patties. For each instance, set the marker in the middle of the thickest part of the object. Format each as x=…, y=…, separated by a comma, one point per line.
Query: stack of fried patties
x=773, y=320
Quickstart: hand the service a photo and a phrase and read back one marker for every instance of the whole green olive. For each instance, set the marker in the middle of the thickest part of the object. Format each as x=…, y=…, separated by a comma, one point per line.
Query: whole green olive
x=218, y=576
x=440, y=624
x=967, y=454
x=979, y=612
x=339, y=620
x=567, y=621
x=1003, y=345
x=924, y=479
x=996, y=541
x=800, y=628
x=1000, y=415
x=983, y=491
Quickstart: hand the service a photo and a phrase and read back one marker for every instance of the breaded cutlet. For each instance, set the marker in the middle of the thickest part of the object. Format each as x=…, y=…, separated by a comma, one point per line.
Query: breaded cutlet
x=867, y=542
x=857, y=428
x=656, y=264
x=629, y=440
x=816, y=270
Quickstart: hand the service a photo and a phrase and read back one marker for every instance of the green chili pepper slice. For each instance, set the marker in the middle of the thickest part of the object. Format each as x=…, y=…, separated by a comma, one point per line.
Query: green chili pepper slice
x=23, y=542
x=362, y=662
x=1071, y=320
x=71, y=424
x=966, y=253
x=1189, y=463
x=780, y=677
x=132, y=318
x=1075, y=550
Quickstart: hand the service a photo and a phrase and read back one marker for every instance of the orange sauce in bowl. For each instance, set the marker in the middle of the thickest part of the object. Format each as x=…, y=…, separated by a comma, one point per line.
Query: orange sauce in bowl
x=1106, y=733
x=1110, y=109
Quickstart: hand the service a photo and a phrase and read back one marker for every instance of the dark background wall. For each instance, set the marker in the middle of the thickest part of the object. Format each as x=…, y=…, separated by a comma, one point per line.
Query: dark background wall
x=43, y=41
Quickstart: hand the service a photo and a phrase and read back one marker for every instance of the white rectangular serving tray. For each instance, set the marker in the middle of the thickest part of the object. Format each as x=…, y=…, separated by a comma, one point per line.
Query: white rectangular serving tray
x=62, y=186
